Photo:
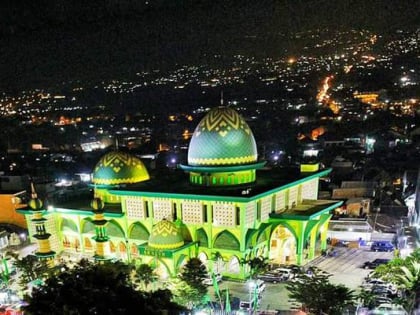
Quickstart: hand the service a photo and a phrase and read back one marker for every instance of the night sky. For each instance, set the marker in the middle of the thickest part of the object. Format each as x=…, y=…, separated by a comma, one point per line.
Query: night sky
x=50, y=41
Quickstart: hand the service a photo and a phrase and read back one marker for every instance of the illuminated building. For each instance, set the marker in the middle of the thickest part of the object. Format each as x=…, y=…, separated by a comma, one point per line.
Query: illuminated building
x=223, y=207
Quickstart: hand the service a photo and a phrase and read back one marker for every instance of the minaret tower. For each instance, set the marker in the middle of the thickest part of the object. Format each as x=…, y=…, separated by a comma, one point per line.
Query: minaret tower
x=101, y=238
x=44, y=248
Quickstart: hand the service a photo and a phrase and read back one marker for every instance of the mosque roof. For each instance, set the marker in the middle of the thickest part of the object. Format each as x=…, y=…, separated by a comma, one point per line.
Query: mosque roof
x=222, y=138
x=117, y=167
x=165, y=235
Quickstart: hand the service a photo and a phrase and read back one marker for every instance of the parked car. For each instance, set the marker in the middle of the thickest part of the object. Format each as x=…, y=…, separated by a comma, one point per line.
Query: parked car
x=285, y=273
x=294, y=269
x=384, y=290
x=370, y=283
x=273, y=277
x=256, y=285
x=375, y=263
x=209, y=279
x=382, y=247
x=249, y=305
x=389, y=309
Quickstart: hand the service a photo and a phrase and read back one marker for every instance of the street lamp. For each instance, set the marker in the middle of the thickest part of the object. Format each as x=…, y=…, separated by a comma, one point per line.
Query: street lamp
x=127, y=249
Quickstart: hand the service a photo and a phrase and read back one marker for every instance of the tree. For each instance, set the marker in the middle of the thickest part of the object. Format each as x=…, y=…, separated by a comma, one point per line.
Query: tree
x=185, y=294
x=144, y=275
x=91, y=288
x=256, y=265
x=194, y=273
x=31, y=268
x=405, y=273
x=318, y=295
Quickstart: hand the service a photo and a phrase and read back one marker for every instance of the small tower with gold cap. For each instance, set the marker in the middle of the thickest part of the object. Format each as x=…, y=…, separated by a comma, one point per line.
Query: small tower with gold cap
x=44, y=248
x=101, y=238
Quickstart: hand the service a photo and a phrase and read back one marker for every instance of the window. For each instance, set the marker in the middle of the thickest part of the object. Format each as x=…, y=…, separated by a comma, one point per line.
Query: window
x=205, y=214
x=146, y=207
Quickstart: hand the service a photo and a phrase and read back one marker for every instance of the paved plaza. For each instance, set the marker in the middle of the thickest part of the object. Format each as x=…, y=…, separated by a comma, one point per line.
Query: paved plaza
x=345, y=268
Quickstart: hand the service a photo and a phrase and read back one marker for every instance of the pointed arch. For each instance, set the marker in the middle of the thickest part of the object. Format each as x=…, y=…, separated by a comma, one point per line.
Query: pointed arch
x=87, y=243
x=113, y=229
x=203, y=257
x=287, y=226
x=182, y=260
x=138, y=231
x=186, y=235
x=250, y=238
x=69, y=226
x=88, y=226
x=202, y=238
x=234, y=265
x=226, y=240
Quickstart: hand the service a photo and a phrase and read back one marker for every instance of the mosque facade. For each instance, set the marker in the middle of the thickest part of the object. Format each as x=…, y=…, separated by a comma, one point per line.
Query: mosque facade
x=224, y=207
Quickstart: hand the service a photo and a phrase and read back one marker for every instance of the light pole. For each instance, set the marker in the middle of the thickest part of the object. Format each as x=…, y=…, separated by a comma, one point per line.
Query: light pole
x=127, y=249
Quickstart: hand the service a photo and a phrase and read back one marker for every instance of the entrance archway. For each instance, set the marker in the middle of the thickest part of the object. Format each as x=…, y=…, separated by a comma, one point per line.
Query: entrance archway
x=282, y=246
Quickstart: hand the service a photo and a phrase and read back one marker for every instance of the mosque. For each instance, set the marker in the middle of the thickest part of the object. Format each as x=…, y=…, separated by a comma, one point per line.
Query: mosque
x=224, y=207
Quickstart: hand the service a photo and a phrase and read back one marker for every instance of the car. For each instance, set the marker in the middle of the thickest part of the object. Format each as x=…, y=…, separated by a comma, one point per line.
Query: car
x=294, y=269
x=382, y=247
x=370, y=283
x=257, y=285
x=389, y=309
x=209, y=279
x=285, y=273
x=378, y=300
x=375, y=263
x=273, y=277
x=250, y=305
x=383, y=290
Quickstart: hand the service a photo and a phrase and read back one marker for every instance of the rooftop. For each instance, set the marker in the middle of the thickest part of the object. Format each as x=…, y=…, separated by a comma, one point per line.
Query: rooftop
x=307, y=209
x=176, y=185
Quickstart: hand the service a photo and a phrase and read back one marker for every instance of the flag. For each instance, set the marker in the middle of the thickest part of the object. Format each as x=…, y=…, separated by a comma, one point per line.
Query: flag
x=215, y=284
x=227, y=305
x=255, y=297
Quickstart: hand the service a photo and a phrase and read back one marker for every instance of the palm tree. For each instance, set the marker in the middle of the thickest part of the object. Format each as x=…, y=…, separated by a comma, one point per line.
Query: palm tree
x=256, y=265
x=405, y=273
x=410, y=279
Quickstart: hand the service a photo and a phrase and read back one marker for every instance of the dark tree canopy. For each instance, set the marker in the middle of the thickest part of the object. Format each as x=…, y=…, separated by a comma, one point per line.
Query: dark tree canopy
x=317, y=294
x=194, y=273
x=103, y=289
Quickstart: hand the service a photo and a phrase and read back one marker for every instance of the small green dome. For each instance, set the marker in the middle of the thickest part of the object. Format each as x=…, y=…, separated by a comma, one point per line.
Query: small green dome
x=97, y=204
x=222, y=138
x=116, y=168
x=35, y=204
x=165, y=235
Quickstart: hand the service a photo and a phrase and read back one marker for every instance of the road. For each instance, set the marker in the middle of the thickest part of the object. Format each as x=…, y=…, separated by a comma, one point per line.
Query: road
x=345, y=268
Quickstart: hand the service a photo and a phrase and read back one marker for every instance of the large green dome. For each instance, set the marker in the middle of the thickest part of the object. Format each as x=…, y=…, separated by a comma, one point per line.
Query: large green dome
x=165, y=235
x=116, y=168
x=222, y=138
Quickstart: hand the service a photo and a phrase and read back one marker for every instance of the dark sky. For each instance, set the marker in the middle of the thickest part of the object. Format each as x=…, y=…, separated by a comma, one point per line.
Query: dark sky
x=48, y=41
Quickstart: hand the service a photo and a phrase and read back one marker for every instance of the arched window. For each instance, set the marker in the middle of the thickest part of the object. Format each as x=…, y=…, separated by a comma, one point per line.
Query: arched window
x=234, y=265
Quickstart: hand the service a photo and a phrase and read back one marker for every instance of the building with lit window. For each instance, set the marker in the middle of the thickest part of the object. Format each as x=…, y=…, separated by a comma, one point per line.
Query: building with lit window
x=224, y=207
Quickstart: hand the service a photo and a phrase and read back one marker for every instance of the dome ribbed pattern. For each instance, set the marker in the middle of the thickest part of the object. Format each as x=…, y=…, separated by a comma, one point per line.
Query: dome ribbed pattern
x=165, y=235
x=116, y=168
x=222, y=138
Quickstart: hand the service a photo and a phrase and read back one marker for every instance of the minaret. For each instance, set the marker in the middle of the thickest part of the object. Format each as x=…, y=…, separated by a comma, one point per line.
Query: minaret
x=101, y=238
x=44, y=248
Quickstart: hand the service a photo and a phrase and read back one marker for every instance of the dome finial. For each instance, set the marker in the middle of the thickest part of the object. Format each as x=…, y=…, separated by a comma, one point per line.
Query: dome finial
x=221, y=98
x=34, y=195
x=116, y=143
